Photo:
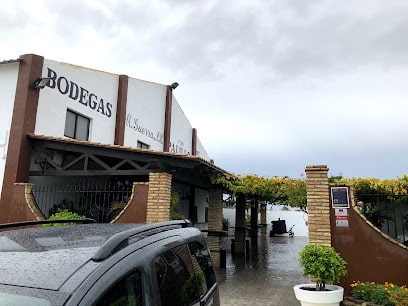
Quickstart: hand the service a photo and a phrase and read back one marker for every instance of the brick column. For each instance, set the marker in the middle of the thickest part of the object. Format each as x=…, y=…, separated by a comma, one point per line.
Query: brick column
x=215, y=225
x=158, y=199
x=318, y=204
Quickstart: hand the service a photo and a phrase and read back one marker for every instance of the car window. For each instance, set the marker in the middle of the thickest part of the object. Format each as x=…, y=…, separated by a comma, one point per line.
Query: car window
x=176, y=278
x=203, y=265
x=126, y=292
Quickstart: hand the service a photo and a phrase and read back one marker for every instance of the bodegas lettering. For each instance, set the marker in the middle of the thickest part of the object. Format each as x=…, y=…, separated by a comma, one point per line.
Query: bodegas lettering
x=78, y=93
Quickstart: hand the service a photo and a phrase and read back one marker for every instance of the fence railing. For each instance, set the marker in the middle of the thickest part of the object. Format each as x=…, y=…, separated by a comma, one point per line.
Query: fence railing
x=101, y=201
x=388, y=214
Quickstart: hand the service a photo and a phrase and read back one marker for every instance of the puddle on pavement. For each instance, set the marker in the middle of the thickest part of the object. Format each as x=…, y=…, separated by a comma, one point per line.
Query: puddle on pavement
x=274, y=261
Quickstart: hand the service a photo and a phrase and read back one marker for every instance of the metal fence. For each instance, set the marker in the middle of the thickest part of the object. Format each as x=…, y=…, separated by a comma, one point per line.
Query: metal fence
x=98, y=200
x=388, y=213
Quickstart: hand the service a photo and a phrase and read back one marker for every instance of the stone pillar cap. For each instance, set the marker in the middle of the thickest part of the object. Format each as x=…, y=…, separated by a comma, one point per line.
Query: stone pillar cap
x=316, y=168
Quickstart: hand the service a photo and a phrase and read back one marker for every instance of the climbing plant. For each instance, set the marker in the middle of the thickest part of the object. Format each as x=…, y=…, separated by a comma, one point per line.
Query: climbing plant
x=276, y=190
x=292, y=192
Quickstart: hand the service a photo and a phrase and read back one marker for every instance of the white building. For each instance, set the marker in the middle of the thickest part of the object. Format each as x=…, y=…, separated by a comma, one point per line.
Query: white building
x=91, y=141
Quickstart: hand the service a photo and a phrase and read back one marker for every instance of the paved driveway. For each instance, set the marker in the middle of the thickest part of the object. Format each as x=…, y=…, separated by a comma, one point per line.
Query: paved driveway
x=266, y=276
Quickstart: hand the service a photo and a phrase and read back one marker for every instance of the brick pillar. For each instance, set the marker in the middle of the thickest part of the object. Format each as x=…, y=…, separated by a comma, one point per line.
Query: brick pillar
x=318, y=204
x=158, y=199
x=240, y=228
x=215, y=225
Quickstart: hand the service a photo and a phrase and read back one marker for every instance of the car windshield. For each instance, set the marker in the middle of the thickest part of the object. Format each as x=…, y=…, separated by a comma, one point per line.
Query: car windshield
x=18, y=300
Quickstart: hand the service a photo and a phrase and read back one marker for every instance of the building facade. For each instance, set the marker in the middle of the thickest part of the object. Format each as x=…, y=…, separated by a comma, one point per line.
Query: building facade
x=109, y=146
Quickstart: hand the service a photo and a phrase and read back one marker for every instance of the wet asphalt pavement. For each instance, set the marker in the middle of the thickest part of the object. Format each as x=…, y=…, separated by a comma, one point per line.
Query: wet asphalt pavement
x=266, y=276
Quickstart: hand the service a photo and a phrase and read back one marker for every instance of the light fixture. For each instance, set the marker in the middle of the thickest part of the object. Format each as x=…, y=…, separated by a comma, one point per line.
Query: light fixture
x=40, y=83
x=174, y=85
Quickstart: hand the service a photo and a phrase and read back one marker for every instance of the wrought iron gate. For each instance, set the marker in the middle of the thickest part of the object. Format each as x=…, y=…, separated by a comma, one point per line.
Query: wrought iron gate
x=388, y=213
x=98, y=200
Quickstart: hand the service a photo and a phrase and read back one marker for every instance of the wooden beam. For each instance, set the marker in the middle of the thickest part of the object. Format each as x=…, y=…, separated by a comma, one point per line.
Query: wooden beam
x=54, y=172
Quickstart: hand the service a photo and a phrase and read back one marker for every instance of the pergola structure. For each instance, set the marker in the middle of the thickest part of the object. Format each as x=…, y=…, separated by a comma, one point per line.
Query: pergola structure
x=64, y=157
x=70, y=157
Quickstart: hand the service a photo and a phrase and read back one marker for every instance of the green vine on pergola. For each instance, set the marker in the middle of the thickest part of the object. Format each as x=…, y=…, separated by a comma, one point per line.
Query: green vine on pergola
x=275, y=190
x=292, y=192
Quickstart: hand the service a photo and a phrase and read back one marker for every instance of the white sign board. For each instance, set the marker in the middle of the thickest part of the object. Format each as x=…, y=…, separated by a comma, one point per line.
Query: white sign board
x=341, y=215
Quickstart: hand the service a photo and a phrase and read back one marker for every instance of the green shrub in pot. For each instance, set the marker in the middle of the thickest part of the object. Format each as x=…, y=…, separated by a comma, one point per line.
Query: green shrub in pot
x=323, y=264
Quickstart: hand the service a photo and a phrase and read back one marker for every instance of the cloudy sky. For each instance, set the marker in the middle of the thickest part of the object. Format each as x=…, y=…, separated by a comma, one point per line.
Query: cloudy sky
x=271, y=86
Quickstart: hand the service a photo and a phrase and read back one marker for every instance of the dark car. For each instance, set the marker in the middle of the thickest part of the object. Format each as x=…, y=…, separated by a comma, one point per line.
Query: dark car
x=107, y=264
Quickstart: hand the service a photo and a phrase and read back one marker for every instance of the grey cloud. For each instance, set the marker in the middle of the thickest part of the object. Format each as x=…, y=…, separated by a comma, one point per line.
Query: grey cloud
x=285, y=39
x=291, y=40
x=274, y=71
x=14, y=19
x=350, y=161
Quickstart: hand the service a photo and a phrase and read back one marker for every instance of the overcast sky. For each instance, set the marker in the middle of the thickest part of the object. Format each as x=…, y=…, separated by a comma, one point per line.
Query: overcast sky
x=271, y=86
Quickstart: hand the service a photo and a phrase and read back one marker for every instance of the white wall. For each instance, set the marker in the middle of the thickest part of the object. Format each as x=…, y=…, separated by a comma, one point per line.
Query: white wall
x=93, y=94
x=8, y=83
x=145, y=113
x=146, y=105
x=181, y=130
x=88, y=92
x=201, y=151
x=201, y=197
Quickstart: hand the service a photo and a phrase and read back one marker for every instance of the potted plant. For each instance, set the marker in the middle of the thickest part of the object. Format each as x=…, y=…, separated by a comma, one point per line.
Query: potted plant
x=324, y=265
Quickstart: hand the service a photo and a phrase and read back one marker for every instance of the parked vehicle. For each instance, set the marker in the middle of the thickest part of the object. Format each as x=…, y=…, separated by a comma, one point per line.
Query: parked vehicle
x=107, y=264
x=278, y=227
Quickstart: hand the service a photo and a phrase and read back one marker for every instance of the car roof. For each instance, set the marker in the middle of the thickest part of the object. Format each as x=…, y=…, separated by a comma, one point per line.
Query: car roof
x=46, y=257
x=45, y=270
x=60, y=237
